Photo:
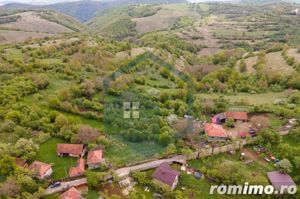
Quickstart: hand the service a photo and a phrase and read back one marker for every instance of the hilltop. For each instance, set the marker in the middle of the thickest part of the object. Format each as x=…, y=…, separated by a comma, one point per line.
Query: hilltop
x=19, y=26
x=86, y=10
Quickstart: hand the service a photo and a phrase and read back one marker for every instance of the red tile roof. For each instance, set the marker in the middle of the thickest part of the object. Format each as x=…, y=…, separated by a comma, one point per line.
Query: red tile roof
x=94, y=157
x=72, y=193
x=78, y=170
x=74, y=149
x=164, y=173
x=237, y=115
x=40, y=168
x=280, y=179
x=214, y=130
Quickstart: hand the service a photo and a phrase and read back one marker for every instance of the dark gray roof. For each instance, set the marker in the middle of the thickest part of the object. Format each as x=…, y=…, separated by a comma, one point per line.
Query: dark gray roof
x=279, y=179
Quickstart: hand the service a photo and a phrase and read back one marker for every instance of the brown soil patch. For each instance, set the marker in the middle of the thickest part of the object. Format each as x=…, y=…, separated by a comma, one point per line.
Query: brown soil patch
x=250, y=62
x=112, y=189
x=294, y=53
x=10, y=36
x=276, y=63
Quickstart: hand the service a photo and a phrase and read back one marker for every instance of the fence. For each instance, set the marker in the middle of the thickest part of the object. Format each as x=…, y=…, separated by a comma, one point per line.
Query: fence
x=217, y=150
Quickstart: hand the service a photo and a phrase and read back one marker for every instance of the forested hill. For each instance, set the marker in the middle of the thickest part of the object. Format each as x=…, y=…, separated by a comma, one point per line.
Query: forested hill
x=261, y=1
x=86, y=10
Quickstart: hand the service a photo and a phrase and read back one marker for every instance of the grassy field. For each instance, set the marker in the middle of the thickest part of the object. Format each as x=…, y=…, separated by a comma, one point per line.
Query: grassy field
x=164, y=18
x=60, y=165
x=275, y=62
x=92, y=194
x=123, y=152
x=252, y=99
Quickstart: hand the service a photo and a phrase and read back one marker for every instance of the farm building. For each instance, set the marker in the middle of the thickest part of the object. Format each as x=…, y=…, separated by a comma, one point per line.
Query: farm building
x=94, y=159
x=73, y=150
x=166, y=175
x=78, y=170
x=41, y=170
x=279, y=179
x=241, y=116
x=72, y=193
x=215, y=132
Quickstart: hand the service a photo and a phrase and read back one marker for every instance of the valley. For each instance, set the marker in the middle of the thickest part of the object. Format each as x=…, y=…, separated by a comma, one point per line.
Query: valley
x=103, y=99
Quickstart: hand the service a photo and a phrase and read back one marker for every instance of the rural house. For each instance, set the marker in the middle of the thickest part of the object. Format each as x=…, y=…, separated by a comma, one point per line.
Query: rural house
x=72, y=150
x=41, y=170
x=72, y=193
x=279, y=179
x=237, y=116
x=166, y=175
x=78, y=170
x=215, y=132
x=94, y=159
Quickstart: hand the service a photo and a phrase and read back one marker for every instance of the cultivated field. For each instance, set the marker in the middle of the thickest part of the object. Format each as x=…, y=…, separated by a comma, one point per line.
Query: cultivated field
x=10, y=36
x=276, y=63
x=163, y=19
x=30, y=21
x=255, y=99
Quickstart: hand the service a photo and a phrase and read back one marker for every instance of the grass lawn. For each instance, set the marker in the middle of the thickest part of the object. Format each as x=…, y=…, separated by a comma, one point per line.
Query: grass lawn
x=199, y=187
x=60, y=165
x=92, y=194
x=275, y=122
x=123, y=152
x=252, y=99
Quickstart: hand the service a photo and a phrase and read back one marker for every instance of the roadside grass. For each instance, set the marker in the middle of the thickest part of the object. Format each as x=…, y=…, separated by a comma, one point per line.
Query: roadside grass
x=53, y=196
x=251, y=99
x=60, y=165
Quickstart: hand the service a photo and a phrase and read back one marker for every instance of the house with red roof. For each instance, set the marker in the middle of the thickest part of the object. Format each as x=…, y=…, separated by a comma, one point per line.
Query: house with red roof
x=94, y=159
x=78, y=170
x=71, y=193
x=165, y=175
x=279, y=179
x=215, y=132
x=237, y=116
x=72, y=150
x=41, y=170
